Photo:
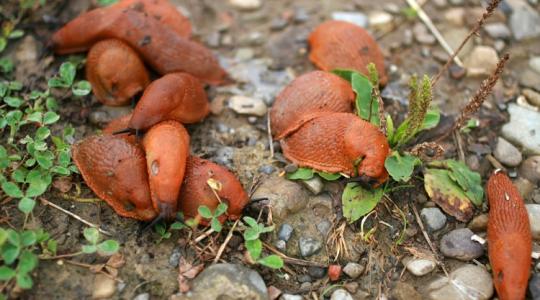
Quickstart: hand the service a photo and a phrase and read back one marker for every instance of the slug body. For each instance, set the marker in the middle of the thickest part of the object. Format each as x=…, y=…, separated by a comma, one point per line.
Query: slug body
x=316, y=91
x=175, y=96
x=343, y=45
x=115, y=72
x=116, y=171
x=509, y=238
x=197, y=192
x=167, y=148
x=161, y=47
x=334, y=142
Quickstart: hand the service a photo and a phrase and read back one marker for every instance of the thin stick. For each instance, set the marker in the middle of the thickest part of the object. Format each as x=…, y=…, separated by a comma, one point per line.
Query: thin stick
x=426, y=236
x=489, y=11
x=227, y=239
x=49, y=203
x=269, y=133
x=425, y=18
x=204, y=235
x=495, y=162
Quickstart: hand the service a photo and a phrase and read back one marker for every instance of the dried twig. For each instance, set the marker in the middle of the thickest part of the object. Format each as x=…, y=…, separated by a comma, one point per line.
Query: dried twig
x=49, y=203
x=227, y=239
x=425, y=18
x=269, y=133
x=489, y=11
x=204, y=235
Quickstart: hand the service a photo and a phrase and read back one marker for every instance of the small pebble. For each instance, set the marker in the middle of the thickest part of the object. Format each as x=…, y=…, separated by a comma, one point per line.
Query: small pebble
x=300, y=15
x=481, y=61
x=530, y=169
x=304, y=278
x=175, y=258
x=479, y=223
x=457, y=72
x=534, y=219
x=357, y=18
x=353, y=270
x=278, y=24
x=248, y=105
x=498, y=30
x=267, y=169
x=143, y=296
x=104, y=287
x=324, y=227
x=534, y=286
x=281, y=245
x=422, y=35
x=380, y=20
x=351, y=287
x=290, y=297
x=224, y=155
x=246, y=4
x=341, y=294
x=316, y=272
x=532, y=96
x=419, y=266
x=309, y=246
x=314, y=185
x=524, y=187
x=285, y=232
x=433, y=218
x=534, y=63
x=507, y=153
x=290, y=168
x=458, y=244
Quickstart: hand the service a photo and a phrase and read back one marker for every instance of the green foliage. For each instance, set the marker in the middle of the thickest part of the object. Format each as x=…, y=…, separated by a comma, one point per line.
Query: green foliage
x=358, y=201
x=307, y=174
x=206, y=213
x=253, y=243
x=105, y=248
x=470, y=182
x=66, y=79
x=106, y=2
x=17, y=253
x=471, y=123
x=401, y=167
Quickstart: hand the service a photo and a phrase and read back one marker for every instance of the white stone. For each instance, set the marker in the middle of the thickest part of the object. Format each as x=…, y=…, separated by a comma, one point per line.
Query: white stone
x=481, y=61
x=507, y=153
x=419, y=266
x=381, y=20
x=248, y=106
x=352, y=17
x=246, y=4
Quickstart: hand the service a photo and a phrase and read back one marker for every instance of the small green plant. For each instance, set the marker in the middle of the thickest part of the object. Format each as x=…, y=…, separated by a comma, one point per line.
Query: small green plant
x=18, y=254
x=105, y=248
x=253, y=243
x=206, y=213
x=66, y=79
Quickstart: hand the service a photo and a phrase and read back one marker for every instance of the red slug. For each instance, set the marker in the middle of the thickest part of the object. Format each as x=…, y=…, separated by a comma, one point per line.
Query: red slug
x=343, y=45
x=161, y=47
x=167, y=148
x=197, y=192
x=175, y=96
x=116, y=171
x=115, y=72
x=335, y=142
x=316, y=91
x=509, y=238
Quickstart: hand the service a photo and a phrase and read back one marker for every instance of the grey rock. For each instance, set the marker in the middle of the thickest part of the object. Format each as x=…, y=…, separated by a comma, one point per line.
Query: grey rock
x=353, y=270
x=290, y=297
x=224, y=155
x=227, y=281
x=434, y=218
x=314, y=185
x=534, y=219
x=529, y=78
x=419, y=266
x=479, y=223
x=316, y=272
x=212, y=40
x=458, y=244
x=300, y=15
x=523, y=129
x=143, y=296
x=304, y=278
x=422, y=35
x=534, y=286
x=534, y=63
x=175, y=257
x=525, y=22
x=466, y=282
x=309, y=246
x=285, y=232
x=481, y=61
x=278, y=23
x=404, y=291
x=324, y=227
x=246, y=4
x=532, y=96
x=507, y=153
x=498, y=30
x=286, y=197
x=267, y=169
x=530, y=169
x=341, y=294
x=281, y=245
x=357, y=18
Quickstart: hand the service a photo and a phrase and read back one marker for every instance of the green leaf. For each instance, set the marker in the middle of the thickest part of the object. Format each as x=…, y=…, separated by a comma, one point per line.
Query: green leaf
x=13, y=101
x=24, y=281
x=251, y=222
x=366, y=106
x=26, y=205
x=51, y=103
x=106, y=2
x=28, y=261
x=220, y=209
x=178, y=226
x=6, y=273
x=91, y=234
x=4, y=160
x=108, y=247
x=205, y=212
x=329, y=176
x=43, y=133
x=28, y=238
x=56, y=82
x=251, y=234
x=61, y=170
x=10, y=253
x=19, y=175
x=52, y=245
x=6, y=66
x=3, y=236
x=64, y=158
x=36, y=116
x=301, y=173
x=271, y=261
x=45, y=159
x=89, y=249
x=401, y=167
x=67, y=73
x=38, y=186
x=81, y=88
x=15, y=34
x=216, y=225
x=358, y=201
x=41, y=235
x=254, y=248
x=432, y=118
x=15, y=86
x=3, y=44
x=469, y=181
x=13, y=237
x=11, y=189
x=50, y=117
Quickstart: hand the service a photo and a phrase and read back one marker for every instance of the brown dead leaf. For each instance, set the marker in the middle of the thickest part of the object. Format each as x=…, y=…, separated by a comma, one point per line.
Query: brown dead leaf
x=63, y=184
x=187, y=271
x=116, y=260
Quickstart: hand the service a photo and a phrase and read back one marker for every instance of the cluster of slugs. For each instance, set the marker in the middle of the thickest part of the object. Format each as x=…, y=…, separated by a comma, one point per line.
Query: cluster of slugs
x=313, y=118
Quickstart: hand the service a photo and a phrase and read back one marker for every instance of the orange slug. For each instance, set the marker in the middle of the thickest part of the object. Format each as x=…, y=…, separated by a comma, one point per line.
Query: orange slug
x=116, y=171
x=509, y=238
x=196, y=191
x=334, y=142
x=167, y=148
x=162, y=48
x=316, y=91
x=343, y=45
x=175, y=96
x=115, y=72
